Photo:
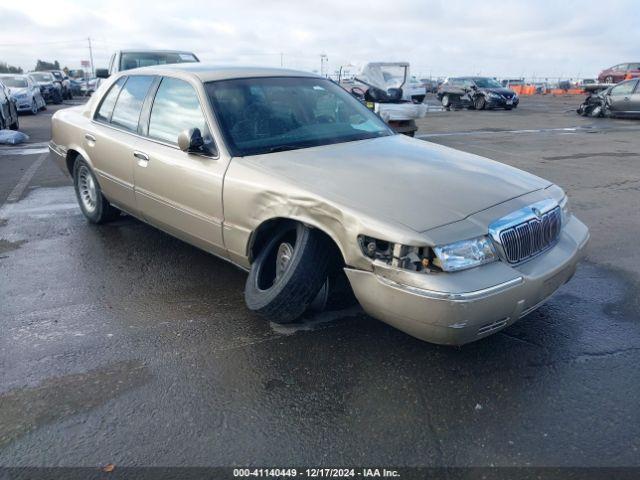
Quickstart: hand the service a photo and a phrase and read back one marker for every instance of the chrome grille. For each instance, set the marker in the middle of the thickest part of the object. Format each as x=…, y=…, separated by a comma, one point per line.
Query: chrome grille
x=527, y=239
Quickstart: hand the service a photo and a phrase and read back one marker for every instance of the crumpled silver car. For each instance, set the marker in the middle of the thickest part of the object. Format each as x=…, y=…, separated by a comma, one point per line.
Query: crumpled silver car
x=288, y=176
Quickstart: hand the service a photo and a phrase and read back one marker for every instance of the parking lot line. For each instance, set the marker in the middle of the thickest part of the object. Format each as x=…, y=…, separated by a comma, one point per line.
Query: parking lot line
x=18, y=190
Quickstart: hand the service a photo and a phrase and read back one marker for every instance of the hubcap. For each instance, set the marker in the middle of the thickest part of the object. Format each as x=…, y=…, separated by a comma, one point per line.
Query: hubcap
x=87, y=189
x=283, y=258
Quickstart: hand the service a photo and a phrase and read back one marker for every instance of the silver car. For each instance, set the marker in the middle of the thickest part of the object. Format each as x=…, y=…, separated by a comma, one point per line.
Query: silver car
x=25, y=92
x=288, y=176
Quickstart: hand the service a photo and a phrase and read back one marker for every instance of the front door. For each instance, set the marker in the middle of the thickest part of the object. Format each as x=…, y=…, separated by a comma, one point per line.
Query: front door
x=620, y=97
x=178, y=191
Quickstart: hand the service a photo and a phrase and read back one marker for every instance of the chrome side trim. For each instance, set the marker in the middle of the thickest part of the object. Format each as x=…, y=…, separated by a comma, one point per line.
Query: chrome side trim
x=452, y=296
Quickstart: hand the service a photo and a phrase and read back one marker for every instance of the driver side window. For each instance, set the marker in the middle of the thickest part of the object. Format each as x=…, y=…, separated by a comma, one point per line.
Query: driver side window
x=176, y=108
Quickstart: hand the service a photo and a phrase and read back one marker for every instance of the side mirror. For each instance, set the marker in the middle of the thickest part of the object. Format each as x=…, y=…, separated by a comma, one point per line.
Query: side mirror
x=102, y=73
x=191, y=141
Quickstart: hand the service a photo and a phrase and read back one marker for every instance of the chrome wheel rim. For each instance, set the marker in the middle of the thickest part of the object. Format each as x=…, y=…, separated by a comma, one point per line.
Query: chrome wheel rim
x=283, y=259
x=87, y=189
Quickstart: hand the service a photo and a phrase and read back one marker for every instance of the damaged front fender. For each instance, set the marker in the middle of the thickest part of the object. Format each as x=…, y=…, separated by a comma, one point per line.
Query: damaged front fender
x=253, y=198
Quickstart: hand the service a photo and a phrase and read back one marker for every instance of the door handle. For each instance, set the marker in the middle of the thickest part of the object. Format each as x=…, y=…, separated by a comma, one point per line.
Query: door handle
x=143, y=158
x=89, y=137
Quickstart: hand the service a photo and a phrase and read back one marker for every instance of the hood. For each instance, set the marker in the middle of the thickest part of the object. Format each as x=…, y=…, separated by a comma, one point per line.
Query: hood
x=500, y=90
x=418, y=184
x=15, y=91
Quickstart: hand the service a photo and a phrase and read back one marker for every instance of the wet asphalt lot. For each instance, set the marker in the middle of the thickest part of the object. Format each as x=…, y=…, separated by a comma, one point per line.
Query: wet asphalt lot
x=120, y=344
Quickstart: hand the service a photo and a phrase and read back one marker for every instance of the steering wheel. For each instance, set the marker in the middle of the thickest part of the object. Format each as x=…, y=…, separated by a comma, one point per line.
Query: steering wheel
x=325, y=119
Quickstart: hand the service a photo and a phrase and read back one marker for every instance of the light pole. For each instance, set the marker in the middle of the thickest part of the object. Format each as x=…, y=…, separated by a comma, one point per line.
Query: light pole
x=323, y=59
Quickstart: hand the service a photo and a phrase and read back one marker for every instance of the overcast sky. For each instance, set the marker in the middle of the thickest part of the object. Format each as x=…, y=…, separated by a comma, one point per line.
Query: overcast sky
x=498, y=38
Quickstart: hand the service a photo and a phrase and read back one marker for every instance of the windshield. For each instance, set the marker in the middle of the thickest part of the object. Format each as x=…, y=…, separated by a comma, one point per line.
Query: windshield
x=42, y=77
x=487, y=83
x=264, y=115
x=14, y=82
x=131, y=60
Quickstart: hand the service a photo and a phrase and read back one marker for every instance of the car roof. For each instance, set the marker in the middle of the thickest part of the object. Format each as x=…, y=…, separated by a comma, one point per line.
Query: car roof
x=207, y=72
x=12, y=75
x=144, y=50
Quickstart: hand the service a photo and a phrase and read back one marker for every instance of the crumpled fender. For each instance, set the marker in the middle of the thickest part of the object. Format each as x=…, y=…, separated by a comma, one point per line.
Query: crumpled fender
x=253, y=196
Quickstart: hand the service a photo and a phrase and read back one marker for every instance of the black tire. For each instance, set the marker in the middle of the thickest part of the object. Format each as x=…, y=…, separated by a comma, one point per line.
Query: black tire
x=608, y=79
x=446, y=102
x=508, y=108
x=15, y=125
x=282, y=295
x=102, y=210
x=34, y=107
x=418, y=98
x=57, y=97
x=479, y=102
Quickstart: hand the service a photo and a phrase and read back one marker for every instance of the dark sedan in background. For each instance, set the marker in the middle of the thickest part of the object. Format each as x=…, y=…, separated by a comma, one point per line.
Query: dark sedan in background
x=476, y=92
x=50, y=88
x=8, y=109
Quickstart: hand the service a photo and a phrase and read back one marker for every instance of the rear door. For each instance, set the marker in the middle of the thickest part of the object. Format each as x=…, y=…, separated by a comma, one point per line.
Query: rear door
x=177, y=191
x=620, y=97
x=115, y=137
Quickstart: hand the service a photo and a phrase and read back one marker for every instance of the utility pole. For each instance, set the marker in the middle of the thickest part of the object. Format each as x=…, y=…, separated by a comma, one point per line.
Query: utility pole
x=93, y=71
x=281, y=59
x=323, y=59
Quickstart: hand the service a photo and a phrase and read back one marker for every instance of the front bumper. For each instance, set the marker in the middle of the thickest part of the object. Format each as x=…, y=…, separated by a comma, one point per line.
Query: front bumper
x=502, y=102
x=58, y=155
x=458, y=308
x=23, y=106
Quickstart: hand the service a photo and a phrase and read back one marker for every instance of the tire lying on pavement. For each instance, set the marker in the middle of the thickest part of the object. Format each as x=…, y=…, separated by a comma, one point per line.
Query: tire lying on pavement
x=288, y=273
x=95, y=207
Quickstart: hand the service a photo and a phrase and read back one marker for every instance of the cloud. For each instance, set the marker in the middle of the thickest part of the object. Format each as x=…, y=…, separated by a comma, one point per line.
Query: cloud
x=455, y=37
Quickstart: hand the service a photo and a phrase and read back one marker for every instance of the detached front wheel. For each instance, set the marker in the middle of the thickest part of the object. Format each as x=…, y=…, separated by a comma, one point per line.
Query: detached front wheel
x=288, y=273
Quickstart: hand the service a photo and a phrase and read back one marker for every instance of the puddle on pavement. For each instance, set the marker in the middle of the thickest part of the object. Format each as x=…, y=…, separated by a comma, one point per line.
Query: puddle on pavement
x=26, y=409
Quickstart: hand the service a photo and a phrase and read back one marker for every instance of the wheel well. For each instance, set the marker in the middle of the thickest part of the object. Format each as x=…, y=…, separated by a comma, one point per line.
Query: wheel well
x=72, y=155
x=266, y=230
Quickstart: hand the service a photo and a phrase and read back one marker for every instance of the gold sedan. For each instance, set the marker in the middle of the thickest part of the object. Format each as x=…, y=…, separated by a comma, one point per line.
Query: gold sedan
x=288, y=176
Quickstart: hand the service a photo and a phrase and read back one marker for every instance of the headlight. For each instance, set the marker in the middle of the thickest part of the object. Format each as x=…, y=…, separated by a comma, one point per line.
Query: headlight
x=493, y=95
x=465, y=254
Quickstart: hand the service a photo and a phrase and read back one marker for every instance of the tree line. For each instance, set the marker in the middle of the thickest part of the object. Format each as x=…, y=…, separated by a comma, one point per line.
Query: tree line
x=41, y=66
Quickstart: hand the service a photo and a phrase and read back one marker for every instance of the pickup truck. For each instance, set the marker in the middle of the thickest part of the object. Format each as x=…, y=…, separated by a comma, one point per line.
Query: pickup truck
x=129, y=59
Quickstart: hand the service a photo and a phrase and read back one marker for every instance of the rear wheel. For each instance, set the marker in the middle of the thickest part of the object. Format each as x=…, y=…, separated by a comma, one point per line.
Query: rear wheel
x=479, y=102
x=288, y=273
x=608, y=79
x=95, y=207
x=34, y=107
x=446, y=102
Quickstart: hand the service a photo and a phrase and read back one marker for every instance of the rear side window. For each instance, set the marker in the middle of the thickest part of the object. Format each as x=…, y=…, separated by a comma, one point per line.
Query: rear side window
x=129, y=104
x=175, y=108
x=109, y=100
